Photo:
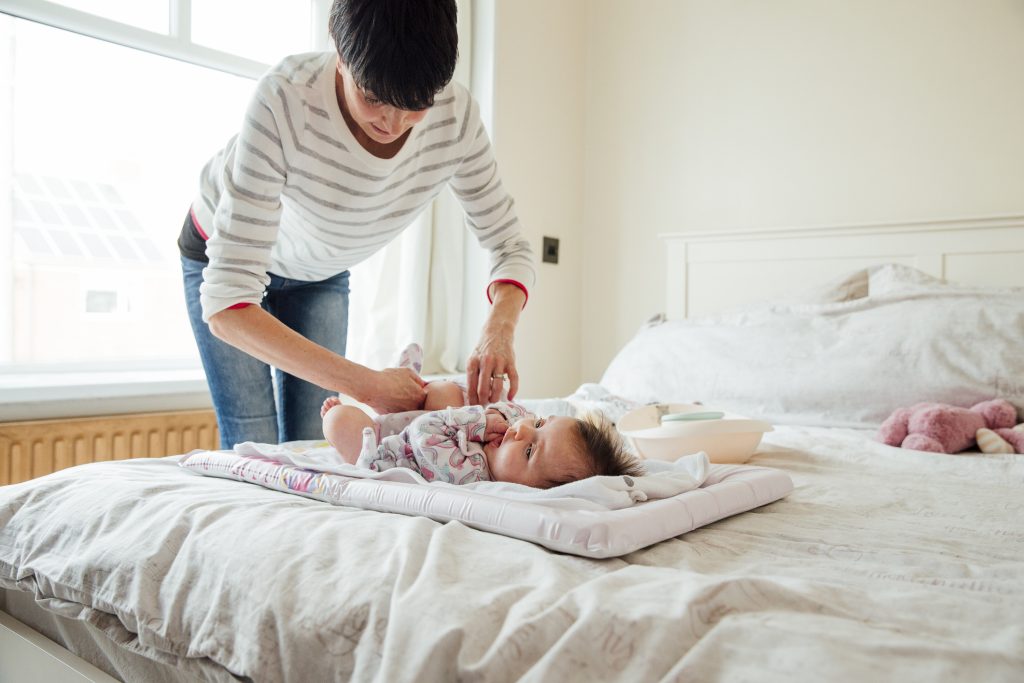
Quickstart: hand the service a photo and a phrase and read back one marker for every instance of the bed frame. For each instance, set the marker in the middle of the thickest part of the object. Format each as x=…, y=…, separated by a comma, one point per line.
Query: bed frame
x=27, y=655
x=707, y=272
x=711, y=271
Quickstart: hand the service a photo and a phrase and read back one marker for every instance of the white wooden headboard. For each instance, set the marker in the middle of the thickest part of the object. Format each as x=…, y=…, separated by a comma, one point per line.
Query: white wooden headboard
x=711, y=271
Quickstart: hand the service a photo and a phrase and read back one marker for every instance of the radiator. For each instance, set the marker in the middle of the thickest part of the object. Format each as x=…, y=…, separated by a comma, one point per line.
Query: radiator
x=34, y=448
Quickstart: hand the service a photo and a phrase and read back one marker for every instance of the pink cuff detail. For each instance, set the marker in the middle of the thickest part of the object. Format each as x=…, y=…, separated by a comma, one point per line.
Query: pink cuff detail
x=237, y=306
x=518, y=284
x=199, y=228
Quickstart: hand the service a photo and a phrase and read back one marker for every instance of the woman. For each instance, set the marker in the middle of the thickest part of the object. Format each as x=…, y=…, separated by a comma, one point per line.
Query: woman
x=338, y=153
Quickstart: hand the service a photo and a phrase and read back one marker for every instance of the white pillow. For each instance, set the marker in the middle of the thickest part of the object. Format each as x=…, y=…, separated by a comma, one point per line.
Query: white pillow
x=846, y=355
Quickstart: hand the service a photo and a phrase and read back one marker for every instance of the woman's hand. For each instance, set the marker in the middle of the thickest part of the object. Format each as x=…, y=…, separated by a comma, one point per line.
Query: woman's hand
x=396, y=390
x=493, y=360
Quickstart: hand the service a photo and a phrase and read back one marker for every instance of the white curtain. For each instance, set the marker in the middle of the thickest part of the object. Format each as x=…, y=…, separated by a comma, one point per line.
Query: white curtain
x=419, y=296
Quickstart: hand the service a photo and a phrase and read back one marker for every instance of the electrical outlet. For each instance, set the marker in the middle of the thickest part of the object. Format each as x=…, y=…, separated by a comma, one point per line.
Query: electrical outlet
x=550, y=252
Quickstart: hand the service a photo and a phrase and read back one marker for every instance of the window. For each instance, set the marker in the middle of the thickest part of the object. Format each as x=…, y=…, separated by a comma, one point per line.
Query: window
x=107, y=134
x=266, y=34
x=105, y=301
x=152, y=15
x=109, y=111
x=101, y=173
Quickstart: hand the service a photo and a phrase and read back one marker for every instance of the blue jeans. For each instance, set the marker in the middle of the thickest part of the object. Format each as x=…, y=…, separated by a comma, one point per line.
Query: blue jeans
x=252, y=401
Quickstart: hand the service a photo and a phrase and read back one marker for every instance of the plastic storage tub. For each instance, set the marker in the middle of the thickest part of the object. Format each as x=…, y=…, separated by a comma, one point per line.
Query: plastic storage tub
x=665, y=431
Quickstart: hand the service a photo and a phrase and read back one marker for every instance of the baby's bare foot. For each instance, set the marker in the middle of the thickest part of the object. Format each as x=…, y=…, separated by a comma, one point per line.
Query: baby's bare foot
x=328, y=404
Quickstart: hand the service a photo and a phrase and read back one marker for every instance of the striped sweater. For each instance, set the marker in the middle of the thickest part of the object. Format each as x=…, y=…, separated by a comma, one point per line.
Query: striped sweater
x=294, y=193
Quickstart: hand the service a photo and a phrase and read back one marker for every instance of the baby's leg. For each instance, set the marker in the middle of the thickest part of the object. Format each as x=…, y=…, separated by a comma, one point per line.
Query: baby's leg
x=441, y=395
x=343, y=428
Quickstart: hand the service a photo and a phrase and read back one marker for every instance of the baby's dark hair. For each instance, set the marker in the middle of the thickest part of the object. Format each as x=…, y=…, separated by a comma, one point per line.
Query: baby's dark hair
x=602, y=447
x=403, y=52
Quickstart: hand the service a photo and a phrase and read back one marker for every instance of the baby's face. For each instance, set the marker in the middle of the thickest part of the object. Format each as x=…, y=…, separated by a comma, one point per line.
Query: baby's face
x=537, y=452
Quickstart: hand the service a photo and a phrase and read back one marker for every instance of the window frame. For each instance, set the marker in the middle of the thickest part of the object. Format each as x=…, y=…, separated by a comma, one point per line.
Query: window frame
x=62, y=390
x=175, y=44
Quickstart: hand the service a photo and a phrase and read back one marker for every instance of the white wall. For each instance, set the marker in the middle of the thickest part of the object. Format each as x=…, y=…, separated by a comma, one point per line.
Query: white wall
x=538, y=135
x=615, y=121
x=721, y=114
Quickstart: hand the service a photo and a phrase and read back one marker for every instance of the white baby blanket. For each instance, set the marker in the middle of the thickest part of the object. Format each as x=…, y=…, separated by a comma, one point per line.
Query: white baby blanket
x=578, y=520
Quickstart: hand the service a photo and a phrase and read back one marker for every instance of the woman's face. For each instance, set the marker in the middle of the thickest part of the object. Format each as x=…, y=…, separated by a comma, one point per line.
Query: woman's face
x=381, y=122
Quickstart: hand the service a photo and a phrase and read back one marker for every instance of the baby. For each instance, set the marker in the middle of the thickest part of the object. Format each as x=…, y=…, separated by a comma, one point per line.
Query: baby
x=452, y=442
x=464, y=444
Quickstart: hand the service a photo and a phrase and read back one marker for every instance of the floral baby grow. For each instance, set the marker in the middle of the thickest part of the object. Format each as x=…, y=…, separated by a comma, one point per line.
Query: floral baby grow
x=442, y=445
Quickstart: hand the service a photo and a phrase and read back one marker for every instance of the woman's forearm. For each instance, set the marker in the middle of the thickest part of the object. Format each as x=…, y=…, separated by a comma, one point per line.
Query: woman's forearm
x=259, y=334
x=263, y=336
x=507, y=302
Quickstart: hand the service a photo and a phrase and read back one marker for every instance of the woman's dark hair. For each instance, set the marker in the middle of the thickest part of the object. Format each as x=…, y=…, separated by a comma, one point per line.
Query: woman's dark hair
x=402, y=52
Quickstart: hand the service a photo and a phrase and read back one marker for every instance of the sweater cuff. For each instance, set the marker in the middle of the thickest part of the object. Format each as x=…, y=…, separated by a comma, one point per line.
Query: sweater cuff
x=518, y=284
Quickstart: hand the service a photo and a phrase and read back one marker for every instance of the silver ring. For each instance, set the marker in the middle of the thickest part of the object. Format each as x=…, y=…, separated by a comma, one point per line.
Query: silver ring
x=502, y=377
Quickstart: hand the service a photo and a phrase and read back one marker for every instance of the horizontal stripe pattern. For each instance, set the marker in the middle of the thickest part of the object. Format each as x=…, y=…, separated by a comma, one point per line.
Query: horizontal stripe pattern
x=294, y=194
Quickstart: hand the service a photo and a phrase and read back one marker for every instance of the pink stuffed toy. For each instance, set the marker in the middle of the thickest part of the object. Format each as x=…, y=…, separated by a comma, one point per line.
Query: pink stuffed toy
x=942, y=428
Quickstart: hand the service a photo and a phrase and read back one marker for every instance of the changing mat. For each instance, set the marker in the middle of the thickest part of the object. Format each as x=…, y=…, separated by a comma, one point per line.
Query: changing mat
x=587, y=518
x=663, y=479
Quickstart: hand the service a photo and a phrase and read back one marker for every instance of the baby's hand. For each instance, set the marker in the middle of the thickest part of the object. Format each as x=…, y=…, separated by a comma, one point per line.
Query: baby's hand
x=497, y=425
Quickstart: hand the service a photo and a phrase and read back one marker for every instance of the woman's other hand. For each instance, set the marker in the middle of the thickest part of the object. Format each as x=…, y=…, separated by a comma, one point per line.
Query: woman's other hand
x=494, y=359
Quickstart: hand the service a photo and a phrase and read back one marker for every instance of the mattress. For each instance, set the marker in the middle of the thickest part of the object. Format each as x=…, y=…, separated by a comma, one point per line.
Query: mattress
x=881, y=564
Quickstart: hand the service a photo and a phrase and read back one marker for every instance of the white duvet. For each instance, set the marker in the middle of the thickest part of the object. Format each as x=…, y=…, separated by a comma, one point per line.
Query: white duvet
x=882, y=564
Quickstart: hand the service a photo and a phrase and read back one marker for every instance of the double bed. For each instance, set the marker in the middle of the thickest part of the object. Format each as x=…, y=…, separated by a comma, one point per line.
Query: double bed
x=881, y=564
